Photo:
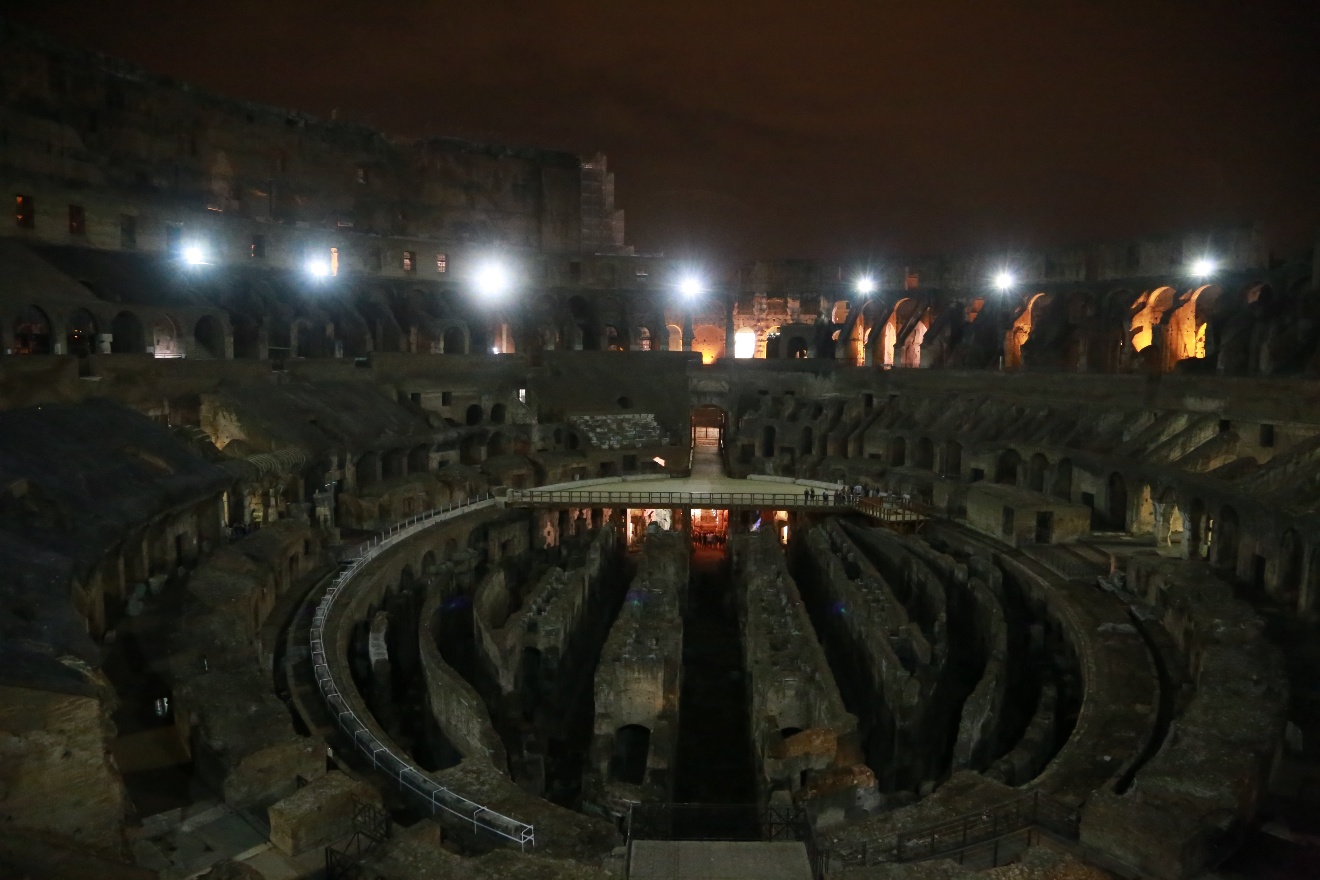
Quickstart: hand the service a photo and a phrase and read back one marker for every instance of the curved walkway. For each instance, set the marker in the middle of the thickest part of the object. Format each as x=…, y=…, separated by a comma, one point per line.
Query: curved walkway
x=410, y=777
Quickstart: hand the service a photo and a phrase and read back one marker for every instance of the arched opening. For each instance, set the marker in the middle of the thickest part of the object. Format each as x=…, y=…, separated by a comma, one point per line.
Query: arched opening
x=367, y=469
x=675, y=337
x=1117, y=513
x=1226, y=538
x=709, y=340
x=1288, y=583
x=952, y=459
x=643, y=339
x=897, y=451
x=839, y=314
x=1168, y=525
x=1036, y=468
x=495, y=445
x=453, y=341
x=473, y=416
x=611, y=338
x=419, y=460
x=797, y=348
x=81, y=338
x=209, y=335
x=912, y=343
x=889, y=337
x=1148, y=313
x=574, y=441
x=744, y=344
x=127, y=335
x=247, y=336
x=632, y=748
x=768, y=441
x=1018, y=334
x=1186, y=326
x=394, y=464
x=1062, y=487
x=1198, y=529
x=165, y=338
x=1006, y=467
x=925, y=454
x=32, y=333
x=497, y=414
x=804, y=448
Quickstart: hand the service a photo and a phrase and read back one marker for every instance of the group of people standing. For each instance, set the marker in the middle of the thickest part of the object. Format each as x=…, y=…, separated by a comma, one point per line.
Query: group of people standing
x=842, y=495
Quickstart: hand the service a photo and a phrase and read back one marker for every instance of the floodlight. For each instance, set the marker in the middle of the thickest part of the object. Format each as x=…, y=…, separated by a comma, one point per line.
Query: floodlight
x=1203, y=267
x=865, y=285
x=317, y=267
x=194, y=254
x=492, y=279
x=1003, y=280
x=690, y=287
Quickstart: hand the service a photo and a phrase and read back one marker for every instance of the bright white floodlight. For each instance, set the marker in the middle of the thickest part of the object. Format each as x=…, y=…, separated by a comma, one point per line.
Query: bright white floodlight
x=493, y=279
x=194, y=254
x=690, y=287
x=1003, y=280
x=865, y=285
x=318, y=268
x=1204, y=267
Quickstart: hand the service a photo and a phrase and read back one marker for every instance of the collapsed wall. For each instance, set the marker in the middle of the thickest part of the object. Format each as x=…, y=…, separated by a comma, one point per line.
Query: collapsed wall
x=804, y=740
x=637, y=684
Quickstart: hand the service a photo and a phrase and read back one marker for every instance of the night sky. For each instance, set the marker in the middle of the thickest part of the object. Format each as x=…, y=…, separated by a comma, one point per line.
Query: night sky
x=848, y=130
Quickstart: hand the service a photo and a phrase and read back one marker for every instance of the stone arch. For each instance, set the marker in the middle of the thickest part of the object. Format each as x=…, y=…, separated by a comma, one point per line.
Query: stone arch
x=924, y=456
x=1036, y=468
x=81, y=334
x=768, y=441
x=804, y=447
x=419, y=459
x=128, y=336
x=208, y=334
x=1062, y=487
x=367, y=468
x=33, y=333
x=454, y=340
x=495, y=445
x=675, y=337
x=497, y=414
x=897, y=451
x=1197, y=530
x=1006, y=467
x=165, y=340
x=247, y=336
x=952, y=465
x=394, y=463
x=473, y=415
x=1020, y=332
x=797, y=348
x=629, y=754
x=1147, y=315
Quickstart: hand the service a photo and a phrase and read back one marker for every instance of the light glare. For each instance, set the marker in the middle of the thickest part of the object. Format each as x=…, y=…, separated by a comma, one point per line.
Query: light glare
x=194, y=254
x=865, y=285
x=492, y=279
x=690, y=286
x=318, y=268
x=1003, y=280
x=1203, y=267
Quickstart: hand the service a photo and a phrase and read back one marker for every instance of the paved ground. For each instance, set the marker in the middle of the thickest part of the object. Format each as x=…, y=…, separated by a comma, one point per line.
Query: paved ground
x=718, y=860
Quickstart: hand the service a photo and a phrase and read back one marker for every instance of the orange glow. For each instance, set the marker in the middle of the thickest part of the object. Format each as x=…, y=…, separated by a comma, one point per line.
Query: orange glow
x=1153, y=305
x=1018, y=335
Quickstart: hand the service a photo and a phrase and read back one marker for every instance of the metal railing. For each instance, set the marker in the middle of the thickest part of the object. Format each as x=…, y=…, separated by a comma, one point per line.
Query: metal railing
x=890, y=508
x=408, y=776
x=987, y=826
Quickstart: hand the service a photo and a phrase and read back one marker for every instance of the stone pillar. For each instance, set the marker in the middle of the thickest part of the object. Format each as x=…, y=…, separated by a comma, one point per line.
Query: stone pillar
x=689, y=334
x=729, y=329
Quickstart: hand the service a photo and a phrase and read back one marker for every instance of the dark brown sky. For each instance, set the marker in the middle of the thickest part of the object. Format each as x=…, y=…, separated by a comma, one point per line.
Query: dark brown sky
x=827, y=129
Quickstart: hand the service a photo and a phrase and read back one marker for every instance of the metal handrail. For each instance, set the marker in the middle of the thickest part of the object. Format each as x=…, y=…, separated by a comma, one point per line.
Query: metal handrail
x=884, y=507
x=407, y=775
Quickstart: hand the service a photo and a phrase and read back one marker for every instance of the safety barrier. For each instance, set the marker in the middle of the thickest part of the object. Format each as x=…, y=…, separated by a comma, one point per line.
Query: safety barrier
x=408, y=776
x=763, y=500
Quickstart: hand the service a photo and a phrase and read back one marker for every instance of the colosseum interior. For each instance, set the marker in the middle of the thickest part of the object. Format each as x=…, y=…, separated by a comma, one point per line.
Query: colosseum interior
x=369, y=509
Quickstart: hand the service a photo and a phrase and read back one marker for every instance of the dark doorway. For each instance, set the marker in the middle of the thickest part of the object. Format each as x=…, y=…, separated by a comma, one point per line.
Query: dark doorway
x=632, y=746
x=1044, y=526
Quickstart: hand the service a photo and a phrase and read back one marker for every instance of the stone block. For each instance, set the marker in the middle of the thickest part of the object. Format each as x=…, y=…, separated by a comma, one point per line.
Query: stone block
x=318, y=813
